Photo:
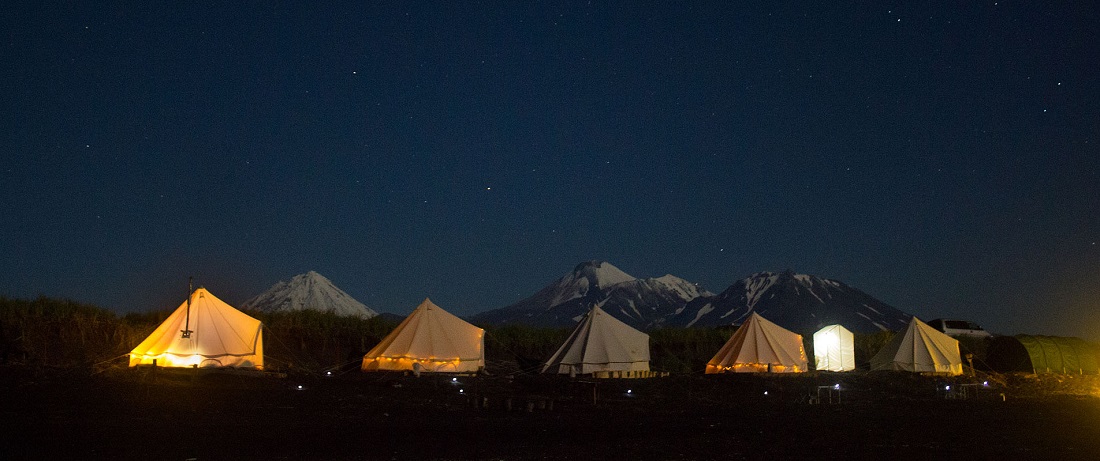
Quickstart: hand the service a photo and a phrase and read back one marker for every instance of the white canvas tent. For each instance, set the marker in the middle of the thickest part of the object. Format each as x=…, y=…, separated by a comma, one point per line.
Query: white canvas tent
x=220, y=336
x=603, y=346
x=834, y=349
x=760, y=346
x=920, y=348
x=429, y=340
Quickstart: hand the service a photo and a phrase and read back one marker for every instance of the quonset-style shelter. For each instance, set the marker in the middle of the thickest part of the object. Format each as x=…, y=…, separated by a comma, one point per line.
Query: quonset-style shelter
x=1042, y=354
x=604, y=347
x=920, y=348
x=760, y=346
x=203, y=332
x=834, y=349
x=429, y=340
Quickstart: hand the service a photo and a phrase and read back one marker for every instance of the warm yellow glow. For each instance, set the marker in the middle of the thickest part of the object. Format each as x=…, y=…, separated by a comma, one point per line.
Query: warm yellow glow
x=752, y=368
x=224, y=337
x=168, y=360
x=406, y=363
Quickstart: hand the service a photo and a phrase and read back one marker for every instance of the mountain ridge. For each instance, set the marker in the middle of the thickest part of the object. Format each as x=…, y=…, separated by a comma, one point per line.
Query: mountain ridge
x=799, y=302
x=640, y=303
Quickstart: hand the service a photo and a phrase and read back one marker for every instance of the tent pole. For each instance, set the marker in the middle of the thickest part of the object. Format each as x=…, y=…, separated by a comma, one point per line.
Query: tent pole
x=186, y=331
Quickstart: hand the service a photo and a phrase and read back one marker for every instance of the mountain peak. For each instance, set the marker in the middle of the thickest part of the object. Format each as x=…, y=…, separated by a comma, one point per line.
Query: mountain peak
x=600, y=274
x=308, y=291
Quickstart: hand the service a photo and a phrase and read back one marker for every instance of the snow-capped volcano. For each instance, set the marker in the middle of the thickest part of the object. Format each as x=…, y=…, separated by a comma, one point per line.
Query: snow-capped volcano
x=798, y=302
x=310, y=291
x=641, y=303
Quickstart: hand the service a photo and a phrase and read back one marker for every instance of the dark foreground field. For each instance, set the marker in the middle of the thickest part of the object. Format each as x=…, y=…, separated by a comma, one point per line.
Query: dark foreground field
x=125, y=414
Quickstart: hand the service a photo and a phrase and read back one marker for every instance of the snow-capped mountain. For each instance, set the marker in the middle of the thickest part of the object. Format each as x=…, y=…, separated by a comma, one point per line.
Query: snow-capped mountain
x=308, y=291
x=798, y=302
x=641, y=303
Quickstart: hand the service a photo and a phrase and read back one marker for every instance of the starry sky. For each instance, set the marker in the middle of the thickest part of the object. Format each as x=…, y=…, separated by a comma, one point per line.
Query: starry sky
x=942, y=157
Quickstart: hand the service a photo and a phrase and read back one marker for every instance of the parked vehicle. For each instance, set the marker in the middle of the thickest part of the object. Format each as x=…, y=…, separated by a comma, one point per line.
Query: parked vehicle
x=959, y=328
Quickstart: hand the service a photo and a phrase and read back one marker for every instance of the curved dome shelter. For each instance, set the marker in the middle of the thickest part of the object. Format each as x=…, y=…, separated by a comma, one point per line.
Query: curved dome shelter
x=1042, y=354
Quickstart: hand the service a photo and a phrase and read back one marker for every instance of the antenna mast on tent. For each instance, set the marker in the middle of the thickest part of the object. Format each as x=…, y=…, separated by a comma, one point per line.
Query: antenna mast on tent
x=186, y=331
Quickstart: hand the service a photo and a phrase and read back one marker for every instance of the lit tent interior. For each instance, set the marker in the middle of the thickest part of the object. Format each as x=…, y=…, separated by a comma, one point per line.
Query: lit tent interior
x=219, y=336
x=834, y=349
x=920, y=348
x=430, y=339
x=604, y=347
x=760, y=346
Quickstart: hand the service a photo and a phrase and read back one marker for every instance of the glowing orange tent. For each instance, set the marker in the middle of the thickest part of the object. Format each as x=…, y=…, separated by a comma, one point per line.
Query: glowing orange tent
x=760, y=346
x=220, y=336
x=429, y=340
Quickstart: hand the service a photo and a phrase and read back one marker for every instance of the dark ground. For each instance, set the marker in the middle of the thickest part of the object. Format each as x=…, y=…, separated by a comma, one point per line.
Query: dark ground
x=127, y=414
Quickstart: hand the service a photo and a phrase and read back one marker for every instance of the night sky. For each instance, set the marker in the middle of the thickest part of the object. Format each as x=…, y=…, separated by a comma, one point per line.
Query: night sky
x=943, y=158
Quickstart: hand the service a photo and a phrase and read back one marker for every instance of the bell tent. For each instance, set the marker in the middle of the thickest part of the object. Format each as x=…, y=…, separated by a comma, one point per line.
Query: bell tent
x=760, y=346
x=920, y=348
x=834, y=349
x=203, y=332
x=602, y=346
x=429, y=340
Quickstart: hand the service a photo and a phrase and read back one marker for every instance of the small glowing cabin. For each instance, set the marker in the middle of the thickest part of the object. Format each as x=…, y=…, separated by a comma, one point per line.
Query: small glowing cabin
x=204, y=332
x=429, y=340
x=834, y=349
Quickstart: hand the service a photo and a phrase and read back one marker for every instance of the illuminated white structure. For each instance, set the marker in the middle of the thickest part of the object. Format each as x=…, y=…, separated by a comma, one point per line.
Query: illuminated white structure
x=602, y=346
x=429, y=340
x=834, y=349
x=203, y=332
x=920, y=348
